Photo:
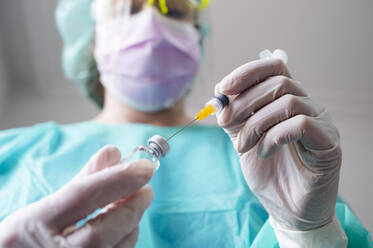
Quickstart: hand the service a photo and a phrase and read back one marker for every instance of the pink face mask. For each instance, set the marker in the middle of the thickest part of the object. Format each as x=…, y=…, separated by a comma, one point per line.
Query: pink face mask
x=147, y=60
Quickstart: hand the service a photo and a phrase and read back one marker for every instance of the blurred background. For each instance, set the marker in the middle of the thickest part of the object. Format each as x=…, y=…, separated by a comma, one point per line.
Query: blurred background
x=329, y=44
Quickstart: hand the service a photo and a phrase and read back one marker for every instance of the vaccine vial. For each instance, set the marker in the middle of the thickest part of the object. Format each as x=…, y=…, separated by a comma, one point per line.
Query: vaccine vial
x=157, y=147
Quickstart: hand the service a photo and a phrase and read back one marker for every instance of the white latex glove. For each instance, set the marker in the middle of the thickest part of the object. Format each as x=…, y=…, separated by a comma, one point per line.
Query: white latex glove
x=288, y=147
x=51, y=222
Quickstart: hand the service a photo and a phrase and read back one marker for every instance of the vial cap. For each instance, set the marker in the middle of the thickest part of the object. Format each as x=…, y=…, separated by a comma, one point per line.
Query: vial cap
x=160, y=143
x=223, y=99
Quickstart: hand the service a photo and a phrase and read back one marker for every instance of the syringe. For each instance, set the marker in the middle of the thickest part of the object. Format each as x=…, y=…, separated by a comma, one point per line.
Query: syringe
x=220, y=101
x=215, y=105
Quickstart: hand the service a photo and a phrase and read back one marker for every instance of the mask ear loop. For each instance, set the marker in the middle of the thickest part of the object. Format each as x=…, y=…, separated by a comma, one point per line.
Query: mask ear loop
x=162, y=5
x=203, y=5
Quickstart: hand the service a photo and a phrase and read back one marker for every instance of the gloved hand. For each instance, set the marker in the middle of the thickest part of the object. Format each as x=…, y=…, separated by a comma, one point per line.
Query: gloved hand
x=102, y=183
x=289, y=149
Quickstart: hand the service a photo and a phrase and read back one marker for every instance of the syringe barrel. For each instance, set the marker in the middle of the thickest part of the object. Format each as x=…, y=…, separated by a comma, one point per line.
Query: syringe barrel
x=223, y=99
x=219, y=102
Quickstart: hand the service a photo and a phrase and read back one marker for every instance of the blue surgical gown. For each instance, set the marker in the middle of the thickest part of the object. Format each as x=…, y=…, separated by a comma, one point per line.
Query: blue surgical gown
x=201, y=198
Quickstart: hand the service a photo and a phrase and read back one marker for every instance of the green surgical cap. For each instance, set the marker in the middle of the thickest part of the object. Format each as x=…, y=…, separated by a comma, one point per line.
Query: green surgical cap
x=76, y=26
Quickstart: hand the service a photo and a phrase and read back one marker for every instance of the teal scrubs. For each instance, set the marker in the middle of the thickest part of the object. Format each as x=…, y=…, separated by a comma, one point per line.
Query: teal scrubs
x=201, y=198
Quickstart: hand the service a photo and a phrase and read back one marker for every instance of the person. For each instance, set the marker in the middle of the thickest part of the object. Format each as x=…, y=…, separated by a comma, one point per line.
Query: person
x=266, y=176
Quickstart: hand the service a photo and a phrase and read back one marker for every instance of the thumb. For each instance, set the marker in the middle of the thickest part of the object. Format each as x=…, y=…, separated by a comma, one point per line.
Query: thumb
x=106, y=157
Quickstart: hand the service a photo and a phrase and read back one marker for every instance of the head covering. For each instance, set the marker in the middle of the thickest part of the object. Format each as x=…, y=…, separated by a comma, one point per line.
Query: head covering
x=76, y=26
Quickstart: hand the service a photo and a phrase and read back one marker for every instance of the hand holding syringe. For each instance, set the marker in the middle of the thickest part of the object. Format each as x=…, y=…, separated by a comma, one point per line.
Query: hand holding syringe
x=220, y=101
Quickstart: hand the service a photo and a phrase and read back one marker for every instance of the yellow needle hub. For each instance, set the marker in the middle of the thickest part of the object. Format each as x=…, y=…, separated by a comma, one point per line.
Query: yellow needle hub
x=215, y=105
x=205, y=112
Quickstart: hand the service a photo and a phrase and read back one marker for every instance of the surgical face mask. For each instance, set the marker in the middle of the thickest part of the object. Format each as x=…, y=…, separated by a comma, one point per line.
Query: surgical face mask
x=147, y=60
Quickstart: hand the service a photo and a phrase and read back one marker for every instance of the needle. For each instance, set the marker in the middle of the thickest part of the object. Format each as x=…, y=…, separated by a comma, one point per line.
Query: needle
x=181, y=129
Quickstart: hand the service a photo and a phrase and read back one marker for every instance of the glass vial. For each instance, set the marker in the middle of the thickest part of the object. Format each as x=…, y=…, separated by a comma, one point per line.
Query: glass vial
x=157, y=147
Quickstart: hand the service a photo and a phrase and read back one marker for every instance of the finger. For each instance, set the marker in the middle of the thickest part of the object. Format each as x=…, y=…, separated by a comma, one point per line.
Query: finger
x=250, y=74
x=115, y=223
x=105, y=157
x=130, y=240
x=79, y=198
x=277, y=111
x=251, y=100
x=314, y=134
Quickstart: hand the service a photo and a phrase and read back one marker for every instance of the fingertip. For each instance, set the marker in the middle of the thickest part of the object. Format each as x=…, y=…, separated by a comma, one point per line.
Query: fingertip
x=239, y=147
x=225, y=86
x=144, y=169
x=108, y=156
x=113, y=152
x=240, y=144
x=246, y=141
x=262, y=153
x=107, y=147
x=112, y=149
x=143, y=197
x=148, y=192
x=224, y=118
x=146, y=165
x=266, y=150
x=265, y=155
x=226, y=90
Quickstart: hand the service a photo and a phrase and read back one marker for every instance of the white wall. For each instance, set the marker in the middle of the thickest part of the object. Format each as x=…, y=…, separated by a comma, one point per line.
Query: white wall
x=329, y=44
x=3, y=85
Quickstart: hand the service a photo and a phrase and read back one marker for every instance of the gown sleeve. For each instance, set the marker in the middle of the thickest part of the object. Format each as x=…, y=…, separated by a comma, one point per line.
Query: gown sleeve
x=356, y=234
